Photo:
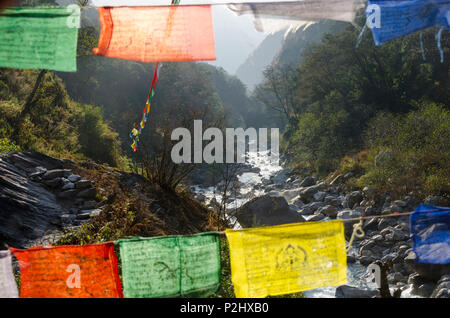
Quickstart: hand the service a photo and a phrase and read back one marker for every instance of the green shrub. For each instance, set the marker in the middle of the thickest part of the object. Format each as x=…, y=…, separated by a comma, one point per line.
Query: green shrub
x=7, y=145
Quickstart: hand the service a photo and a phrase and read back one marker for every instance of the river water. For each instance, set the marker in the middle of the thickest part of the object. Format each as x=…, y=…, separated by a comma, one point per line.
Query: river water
x=252, y=185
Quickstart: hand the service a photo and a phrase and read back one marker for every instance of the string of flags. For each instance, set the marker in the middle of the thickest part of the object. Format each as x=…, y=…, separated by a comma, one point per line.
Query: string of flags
x=273, y=260
x=151, y=31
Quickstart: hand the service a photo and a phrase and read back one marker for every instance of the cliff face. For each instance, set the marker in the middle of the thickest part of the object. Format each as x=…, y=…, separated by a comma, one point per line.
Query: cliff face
x=28, y=210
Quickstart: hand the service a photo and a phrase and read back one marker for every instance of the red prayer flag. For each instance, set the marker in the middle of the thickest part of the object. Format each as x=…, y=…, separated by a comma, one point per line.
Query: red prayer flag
x=151, y=34
x=88, y=271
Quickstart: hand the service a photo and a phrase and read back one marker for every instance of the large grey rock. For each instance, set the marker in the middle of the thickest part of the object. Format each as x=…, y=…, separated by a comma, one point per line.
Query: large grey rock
x=290, y=195
x=267, y=210
x=27, y=208
x=346, y=291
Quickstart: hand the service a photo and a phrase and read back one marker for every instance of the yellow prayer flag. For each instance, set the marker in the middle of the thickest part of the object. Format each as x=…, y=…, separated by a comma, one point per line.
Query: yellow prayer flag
x=284, y=259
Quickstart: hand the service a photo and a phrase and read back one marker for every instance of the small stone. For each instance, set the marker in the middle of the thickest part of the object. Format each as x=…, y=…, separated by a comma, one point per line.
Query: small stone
x=366, y=260
x=319, y=196
x=52, y=174
x=328, y=210
x=68, y=186
x=53, y=183
x=315, y=217
x=73, y=178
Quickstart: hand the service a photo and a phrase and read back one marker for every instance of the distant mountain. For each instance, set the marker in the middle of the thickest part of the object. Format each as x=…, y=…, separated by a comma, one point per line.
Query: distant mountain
x=295, y=43
x=283, y=48
x=251, y=71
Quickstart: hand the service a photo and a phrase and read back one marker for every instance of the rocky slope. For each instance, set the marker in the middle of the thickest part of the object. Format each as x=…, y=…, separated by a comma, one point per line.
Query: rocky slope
x=41, y=196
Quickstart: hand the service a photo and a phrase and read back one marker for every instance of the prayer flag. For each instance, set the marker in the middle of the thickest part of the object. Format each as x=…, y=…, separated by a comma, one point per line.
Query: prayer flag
x=271, y=17
x=8, y=287
x=39, y=38
x=171, y=266
x=151, y=34
x=88, y=271
x=393, y=19
x=430, y=228
x=284, y=259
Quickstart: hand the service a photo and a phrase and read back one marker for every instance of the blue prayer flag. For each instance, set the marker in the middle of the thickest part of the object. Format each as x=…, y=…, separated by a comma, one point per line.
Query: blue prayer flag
x=430, y=227
x=393, y=19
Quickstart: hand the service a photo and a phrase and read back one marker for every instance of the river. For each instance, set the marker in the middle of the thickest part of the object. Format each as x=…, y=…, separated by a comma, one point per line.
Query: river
x=253, y=185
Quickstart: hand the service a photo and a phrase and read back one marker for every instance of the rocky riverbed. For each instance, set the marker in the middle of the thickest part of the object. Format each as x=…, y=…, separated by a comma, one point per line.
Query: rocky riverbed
x=271, y=196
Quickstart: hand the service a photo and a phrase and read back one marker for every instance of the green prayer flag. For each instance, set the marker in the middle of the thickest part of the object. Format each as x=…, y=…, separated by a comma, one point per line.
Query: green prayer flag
x=39, y=38
x=171, y=266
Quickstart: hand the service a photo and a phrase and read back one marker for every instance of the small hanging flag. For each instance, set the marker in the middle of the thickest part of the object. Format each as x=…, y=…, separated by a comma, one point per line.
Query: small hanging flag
x=88, y=271
x=393, y=19
x=284, y=259
x=430, y=228
x=151, y=34
x=39, y=38
x=270, y=17
x=171, y=266
x=8, y=287
x=135, y=133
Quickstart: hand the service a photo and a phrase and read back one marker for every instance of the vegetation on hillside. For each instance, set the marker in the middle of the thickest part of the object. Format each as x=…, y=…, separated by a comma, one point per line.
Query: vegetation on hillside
x=340, y=100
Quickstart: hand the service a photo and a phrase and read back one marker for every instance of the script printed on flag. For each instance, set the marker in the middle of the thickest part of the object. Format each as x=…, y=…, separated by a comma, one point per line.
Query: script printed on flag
x=88, y=271
x=285, y=259
x=171, y=266
x=151, y=34
x=39, y=38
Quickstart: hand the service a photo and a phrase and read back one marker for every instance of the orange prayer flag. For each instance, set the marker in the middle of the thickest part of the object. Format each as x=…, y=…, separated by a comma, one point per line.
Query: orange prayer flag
x=88, y=271
x=151, y=34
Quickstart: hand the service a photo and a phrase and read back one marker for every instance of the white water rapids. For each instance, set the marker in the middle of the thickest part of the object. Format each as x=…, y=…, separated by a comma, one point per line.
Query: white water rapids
x=253, y=185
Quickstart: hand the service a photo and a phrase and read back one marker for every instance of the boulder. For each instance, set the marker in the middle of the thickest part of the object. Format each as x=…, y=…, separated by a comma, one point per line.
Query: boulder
x=267, y=210
x=328, y=210
x=346, y=291
x=429, y=271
